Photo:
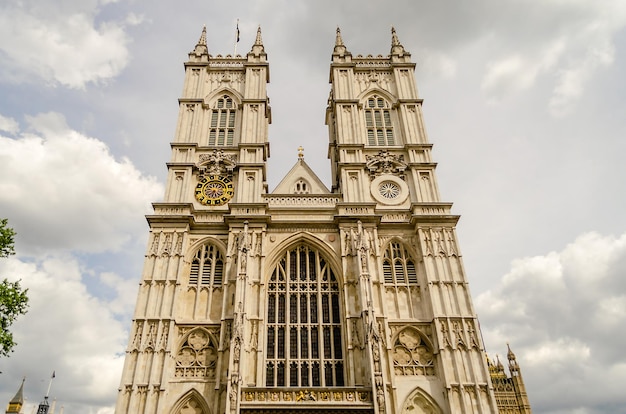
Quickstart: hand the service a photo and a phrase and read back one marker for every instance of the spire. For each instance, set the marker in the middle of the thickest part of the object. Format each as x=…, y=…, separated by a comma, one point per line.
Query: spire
x=258, y=41
x=15, y=405
x=338, y=39
x=396, y=47
x=340, y=49
x=257, y=48
x=202, y=40
x=510, y=355
x=201, y=47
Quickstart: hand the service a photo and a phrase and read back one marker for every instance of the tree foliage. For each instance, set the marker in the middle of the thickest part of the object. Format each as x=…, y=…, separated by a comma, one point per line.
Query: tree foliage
x=13, y=298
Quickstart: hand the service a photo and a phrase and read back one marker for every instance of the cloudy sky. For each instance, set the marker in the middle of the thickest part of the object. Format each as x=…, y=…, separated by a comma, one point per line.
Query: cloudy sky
x=524, y=101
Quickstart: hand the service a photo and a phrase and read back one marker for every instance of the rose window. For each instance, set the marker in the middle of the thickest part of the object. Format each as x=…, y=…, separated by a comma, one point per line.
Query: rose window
x=389, y=190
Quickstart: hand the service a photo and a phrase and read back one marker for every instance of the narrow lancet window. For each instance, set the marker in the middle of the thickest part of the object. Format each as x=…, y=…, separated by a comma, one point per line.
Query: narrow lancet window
x=222, y=124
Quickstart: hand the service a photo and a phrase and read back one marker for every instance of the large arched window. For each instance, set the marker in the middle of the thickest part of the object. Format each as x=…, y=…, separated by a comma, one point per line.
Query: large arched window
x=222, y=127
x=304, y=346
x=378, y=122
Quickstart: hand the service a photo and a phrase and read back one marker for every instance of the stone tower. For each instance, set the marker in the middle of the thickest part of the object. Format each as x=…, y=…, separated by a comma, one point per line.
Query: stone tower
x=306, y=299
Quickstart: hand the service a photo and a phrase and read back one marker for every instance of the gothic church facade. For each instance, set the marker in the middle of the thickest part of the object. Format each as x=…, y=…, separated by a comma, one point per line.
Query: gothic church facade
x=303, y=299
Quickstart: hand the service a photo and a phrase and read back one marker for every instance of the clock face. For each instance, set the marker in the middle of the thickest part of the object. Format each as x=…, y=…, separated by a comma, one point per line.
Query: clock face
x=214, y=190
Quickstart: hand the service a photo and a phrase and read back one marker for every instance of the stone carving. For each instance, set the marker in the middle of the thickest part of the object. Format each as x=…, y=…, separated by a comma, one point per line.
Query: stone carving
x=458, y=332
x=305, y=395
x=154, y=248
x=254, y=335
x=445, y=335
x=216, y=163
x=473, y=338
x=197, y=357
x=178, y=250
x=164, y=336
x=385, y=163
x=137, y=338
x=167, y=245
x=411, y=355
x=151, y=336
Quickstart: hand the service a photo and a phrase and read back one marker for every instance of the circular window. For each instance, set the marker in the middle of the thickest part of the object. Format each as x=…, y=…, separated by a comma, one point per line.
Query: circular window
x=389, y=189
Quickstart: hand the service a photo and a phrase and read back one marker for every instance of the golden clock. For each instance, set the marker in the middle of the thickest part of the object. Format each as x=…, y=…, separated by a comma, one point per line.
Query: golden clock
x=214, y=190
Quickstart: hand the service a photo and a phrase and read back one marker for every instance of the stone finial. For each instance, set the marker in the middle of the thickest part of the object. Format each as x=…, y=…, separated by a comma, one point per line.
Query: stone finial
x=300, y=152
x=201, y=47
x=396, y=46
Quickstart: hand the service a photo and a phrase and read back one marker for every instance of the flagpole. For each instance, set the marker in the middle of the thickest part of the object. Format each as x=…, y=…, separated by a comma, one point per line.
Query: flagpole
x=236, y=38
x=50, y=384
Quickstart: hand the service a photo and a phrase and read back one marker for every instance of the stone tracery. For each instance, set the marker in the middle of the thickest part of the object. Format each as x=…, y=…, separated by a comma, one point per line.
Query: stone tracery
x=197, y=356
x=412, y=355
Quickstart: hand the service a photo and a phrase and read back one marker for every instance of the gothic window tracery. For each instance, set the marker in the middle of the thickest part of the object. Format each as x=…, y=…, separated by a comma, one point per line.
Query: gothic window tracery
x=399, y=266
x=304, y=345
x=412, y=355
x=197, y=356
x=207, y=267
x=378, y=122
x=222, y=123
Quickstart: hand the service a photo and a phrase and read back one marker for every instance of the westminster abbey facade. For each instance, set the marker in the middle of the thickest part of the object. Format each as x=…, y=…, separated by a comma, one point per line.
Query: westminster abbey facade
x=306, y=299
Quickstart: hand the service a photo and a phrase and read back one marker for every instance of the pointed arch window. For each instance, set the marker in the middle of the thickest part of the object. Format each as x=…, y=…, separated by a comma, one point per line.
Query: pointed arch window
x=399, y=266
x=304, y=338
x=207, y=267
x=222, y=124
x=378, y=122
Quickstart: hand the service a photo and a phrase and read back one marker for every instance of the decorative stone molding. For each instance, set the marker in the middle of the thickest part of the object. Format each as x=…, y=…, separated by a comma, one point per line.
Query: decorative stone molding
x=385, y=163
x=216, y=163
x=305, y=396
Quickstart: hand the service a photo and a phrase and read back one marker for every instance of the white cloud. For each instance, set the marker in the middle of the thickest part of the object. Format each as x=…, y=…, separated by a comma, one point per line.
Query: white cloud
x=577, y=40
x=66, y=330
x=61, y=42
x=63, y=190
x=564, y=314
x=9, y=125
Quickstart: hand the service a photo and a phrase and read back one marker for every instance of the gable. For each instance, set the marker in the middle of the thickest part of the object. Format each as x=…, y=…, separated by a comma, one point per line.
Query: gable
x=301, y=180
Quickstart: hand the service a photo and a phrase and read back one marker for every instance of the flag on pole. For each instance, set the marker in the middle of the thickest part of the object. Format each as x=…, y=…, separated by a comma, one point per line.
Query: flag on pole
x=237, y=31
x=53, y=374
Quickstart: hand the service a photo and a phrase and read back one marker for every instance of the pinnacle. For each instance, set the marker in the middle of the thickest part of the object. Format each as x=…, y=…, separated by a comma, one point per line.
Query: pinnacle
x=510, y=355
x=202, y=40
x=338, y=39
x=340, y=49
x=258, y=41
x=394, y=37
x=201, y=47
x=396, y=46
